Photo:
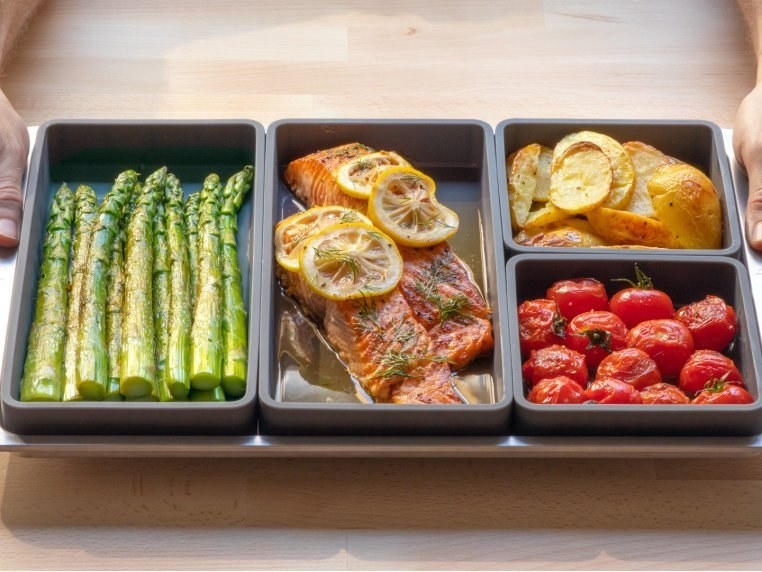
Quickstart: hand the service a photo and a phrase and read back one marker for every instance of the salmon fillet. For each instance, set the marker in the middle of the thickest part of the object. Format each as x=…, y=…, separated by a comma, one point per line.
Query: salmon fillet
x=437, y=304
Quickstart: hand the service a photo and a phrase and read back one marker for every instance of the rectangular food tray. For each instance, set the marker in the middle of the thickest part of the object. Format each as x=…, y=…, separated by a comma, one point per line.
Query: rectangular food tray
x=267, y=445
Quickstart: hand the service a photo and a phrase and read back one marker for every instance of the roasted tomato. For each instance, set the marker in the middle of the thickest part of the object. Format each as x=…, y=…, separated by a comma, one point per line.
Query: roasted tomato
x=578, y=295
x=641, y=302
x=722, y=393
x=630, y=365
x=553, y=361
x=560, y=389
x=540, y=325
x=612, y=391
x=711, y=321
x=596, y=334
x=704, y=368
x=668, y=342
x=664, y=394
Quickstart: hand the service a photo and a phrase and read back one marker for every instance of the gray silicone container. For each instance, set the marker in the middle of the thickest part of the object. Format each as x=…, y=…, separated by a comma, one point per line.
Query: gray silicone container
x=94, y=152
x=699, y=143
x=459, y=155
x=685, y=278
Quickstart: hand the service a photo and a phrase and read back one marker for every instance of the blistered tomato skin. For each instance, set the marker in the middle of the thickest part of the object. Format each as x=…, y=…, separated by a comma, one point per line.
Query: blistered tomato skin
x=540, y=325
x=635, y=305
x=631, y=365
x=596, y=334
x=557, y=390
x=553, y=361
x=607, y=390
x=578, y=295
x=664, y=394
x=704, y=368
x=723, y=394
x=668, y=342
x=711, y=321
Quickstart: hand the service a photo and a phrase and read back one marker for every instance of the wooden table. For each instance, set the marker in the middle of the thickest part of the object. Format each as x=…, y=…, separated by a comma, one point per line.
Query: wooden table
x=485, y=59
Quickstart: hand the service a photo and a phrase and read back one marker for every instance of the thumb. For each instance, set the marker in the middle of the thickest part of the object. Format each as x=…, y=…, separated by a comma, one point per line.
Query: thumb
x=14, y=147
x=754, y=205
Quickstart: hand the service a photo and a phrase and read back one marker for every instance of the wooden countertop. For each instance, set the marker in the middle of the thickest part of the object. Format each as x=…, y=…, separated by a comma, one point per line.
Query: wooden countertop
x=486, y=59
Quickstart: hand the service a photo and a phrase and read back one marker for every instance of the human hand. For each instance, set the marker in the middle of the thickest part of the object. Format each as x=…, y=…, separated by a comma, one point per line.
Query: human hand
x=14, y=148
x=747, y=144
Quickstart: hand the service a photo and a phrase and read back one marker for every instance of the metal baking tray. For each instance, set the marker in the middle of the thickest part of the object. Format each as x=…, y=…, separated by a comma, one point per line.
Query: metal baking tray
x=375, y=446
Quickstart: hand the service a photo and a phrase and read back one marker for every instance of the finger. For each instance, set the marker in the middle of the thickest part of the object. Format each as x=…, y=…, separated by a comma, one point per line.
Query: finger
x=754, y=206
x=12, y=168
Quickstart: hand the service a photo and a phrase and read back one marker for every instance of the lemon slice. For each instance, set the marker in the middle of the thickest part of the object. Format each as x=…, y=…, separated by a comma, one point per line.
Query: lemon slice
x=292, y=232
x=403, y=205
x=350, y=261
x=356, y=177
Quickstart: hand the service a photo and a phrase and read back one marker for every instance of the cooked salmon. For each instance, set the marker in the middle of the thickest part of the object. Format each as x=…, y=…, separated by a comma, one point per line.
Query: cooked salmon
x=435, y=322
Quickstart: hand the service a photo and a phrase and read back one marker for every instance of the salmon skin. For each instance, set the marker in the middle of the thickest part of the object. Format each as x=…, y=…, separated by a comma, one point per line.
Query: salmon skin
x=404, y=346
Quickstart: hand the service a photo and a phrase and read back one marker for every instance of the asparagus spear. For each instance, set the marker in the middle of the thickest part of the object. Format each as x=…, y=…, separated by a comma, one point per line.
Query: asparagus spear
x=161, y=294
x=138, y=369
x=92, y=361
x=85, y=213
x=216, y=394
x=191, y=229
x=43, y=369
x=177, y=366
x=206, y=331
x=234, y=342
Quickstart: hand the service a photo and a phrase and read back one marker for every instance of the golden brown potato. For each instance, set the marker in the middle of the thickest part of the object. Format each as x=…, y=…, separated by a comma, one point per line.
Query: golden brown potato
x=623, y=227
x=572, y=235
x=645, y=159
x=623, y=171
x=545, y=215
x=544, y=162
x=580, y=179
x=686, y=201
x=522, y=181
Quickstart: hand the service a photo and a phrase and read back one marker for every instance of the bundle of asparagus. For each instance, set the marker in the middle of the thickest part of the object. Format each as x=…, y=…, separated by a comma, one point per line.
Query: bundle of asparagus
x=145, y=303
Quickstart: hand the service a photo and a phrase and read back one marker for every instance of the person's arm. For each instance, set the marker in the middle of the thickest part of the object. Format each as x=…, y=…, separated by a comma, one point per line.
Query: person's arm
x=15, y=16
x=747, y=129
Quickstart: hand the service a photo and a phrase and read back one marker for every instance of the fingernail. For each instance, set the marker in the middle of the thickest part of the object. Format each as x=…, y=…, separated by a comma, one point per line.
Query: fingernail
x=9, y=229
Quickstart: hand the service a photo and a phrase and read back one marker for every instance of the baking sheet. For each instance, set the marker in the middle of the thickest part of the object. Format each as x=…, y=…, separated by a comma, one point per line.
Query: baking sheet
x=300, y=446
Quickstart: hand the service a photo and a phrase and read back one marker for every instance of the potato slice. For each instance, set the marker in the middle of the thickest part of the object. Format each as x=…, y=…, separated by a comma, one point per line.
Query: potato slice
x=625, y=228
x=580, y=179
x=623, y=171
x=544, y=163
x=522, y=180
x=686, y=201
x=544, y=216
x=646, y=159
x=572, y=233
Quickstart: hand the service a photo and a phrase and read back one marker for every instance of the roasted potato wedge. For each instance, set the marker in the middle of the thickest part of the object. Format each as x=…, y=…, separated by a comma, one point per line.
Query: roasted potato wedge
x=622, y=227
x=562, y=236
x=522, y=180
x=580, y=179
x=646, y=159
x=547, y=214
x=686, y=201
x=623, y=171
x=544, y=163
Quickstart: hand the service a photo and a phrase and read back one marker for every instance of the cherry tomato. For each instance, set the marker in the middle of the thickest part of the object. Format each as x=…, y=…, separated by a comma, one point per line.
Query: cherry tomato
x=540, y=325
x=630, y=365
x=705, y=367
x=723, y=394
x=667, y=341
x=560, y=389
x=612, y=391
x=553, y=361
x=663, y=394
x=711, y=321
x=578, y=295
x=641, y=302
x=596, y=334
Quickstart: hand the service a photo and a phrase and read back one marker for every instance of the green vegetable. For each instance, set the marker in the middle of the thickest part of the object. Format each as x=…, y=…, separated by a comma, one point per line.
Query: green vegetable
x=85, y=213
x=234, y=331
x=191, y=229
x=92, y=361
x=43, y=369
x=216, y=394
x=161, y=295
x=138, y=368
x=177, y=361
x=206, y=331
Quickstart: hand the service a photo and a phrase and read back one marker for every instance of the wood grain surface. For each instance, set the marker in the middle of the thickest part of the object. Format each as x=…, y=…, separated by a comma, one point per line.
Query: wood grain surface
x=484, y=59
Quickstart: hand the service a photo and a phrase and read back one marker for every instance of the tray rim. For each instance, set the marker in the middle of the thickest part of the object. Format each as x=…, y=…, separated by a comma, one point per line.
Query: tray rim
x=414, y=446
